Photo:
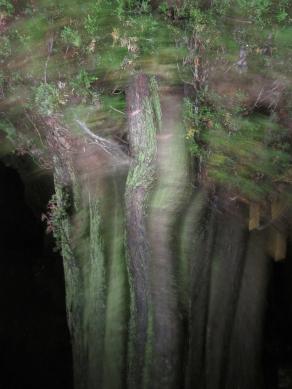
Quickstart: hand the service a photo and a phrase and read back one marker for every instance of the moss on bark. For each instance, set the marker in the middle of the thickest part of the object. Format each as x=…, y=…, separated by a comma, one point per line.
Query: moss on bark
x=144, y=119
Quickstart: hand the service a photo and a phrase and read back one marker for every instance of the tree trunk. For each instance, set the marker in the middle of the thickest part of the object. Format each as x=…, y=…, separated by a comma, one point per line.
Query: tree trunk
x=202, y=237
x=84, y=270
x=143, y=118
x=229, y=276
x=165, y=354
x=245, y=368
x=226, y=274
x=81, y=185
x=117, y=302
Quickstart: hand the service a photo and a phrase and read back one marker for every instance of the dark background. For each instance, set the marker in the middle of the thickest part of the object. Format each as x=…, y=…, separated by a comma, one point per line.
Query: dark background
x=35, y=349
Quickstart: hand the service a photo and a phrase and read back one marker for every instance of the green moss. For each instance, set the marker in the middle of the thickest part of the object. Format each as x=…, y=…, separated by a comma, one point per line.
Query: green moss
x=143, y=170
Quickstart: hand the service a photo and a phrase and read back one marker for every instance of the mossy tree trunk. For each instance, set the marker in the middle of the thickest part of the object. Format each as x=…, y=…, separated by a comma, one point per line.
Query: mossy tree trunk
x=79, y=227
x=170, y=194
x=117, y=301
x=202, y=231
x=143, y=119
x=155, y=194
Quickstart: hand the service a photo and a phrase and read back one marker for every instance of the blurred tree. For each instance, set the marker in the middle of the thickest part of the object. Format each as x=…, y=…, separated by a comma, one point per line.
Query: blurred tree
x=173, y=119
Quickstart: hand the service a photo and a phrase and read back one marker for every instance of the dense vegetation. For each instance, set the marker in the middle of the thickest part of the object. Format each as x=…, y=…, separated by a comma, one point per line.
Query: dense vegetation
x=76, y=61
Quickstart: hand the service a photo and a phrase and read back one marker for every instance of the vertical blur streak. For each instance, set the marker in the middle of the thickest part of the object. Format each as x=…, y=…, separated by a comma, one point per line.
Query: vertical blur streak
x=88, y=308
x=143, y=118
x=226, y=274
x=72, y=271
x=202, y=235
x=166, y=205
x=80, y=189
x=245, y=369
x=114, y=374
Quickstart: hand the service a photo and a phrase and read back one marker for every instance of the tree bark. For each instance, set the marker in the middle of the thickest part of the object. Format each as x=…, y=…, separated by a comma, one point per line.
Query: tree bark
x=117, y=301
x=143, y=120
x=245, y=368
x=201, y=252
x=79, y=226
x=226, y=274
x=165, y=354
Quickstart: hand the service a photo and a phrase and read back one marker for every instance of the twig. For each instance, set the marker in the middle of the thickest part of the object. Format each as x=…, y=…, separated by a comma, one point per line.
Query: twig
x=258, y=98
x=238, y=20
x=117, y=110
x=50, y=49
x=108, y=146
x=98, y=139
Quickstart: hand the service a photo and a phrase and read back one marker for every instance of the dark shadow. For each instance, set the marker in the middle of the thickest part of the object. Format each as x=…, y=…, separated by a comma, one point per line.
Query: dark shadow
x=35, y=349
x=278, y=336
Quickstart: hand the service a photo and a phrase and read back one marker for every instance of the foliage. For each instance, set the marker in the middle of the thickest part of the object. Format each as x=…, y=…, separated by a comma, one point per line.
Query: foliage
x=71, y=37
x=5, y=48
x=46, y=99
x=7, y=127
x=6, y=6
x=192, y=128
x=250, y=158
x=77, y=58
x=82, y=82
x=262, y=12
x=55, y=216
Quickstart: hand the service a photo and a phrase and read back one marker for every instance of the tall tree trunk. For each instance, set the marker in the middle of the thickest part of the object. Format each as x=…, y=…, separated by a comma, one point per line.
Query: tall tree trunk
x=165, y=370
x=79, y=228
x=201, y=250
x=114, y=376
x=143, y=118
x=84, y=270
x=245, y=368
x=227, y=269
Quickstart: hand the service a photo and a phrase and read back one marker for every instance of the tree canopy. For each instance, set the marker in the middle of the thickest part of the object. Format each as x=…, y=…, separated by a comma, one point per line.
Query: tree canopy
x=75, y=59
